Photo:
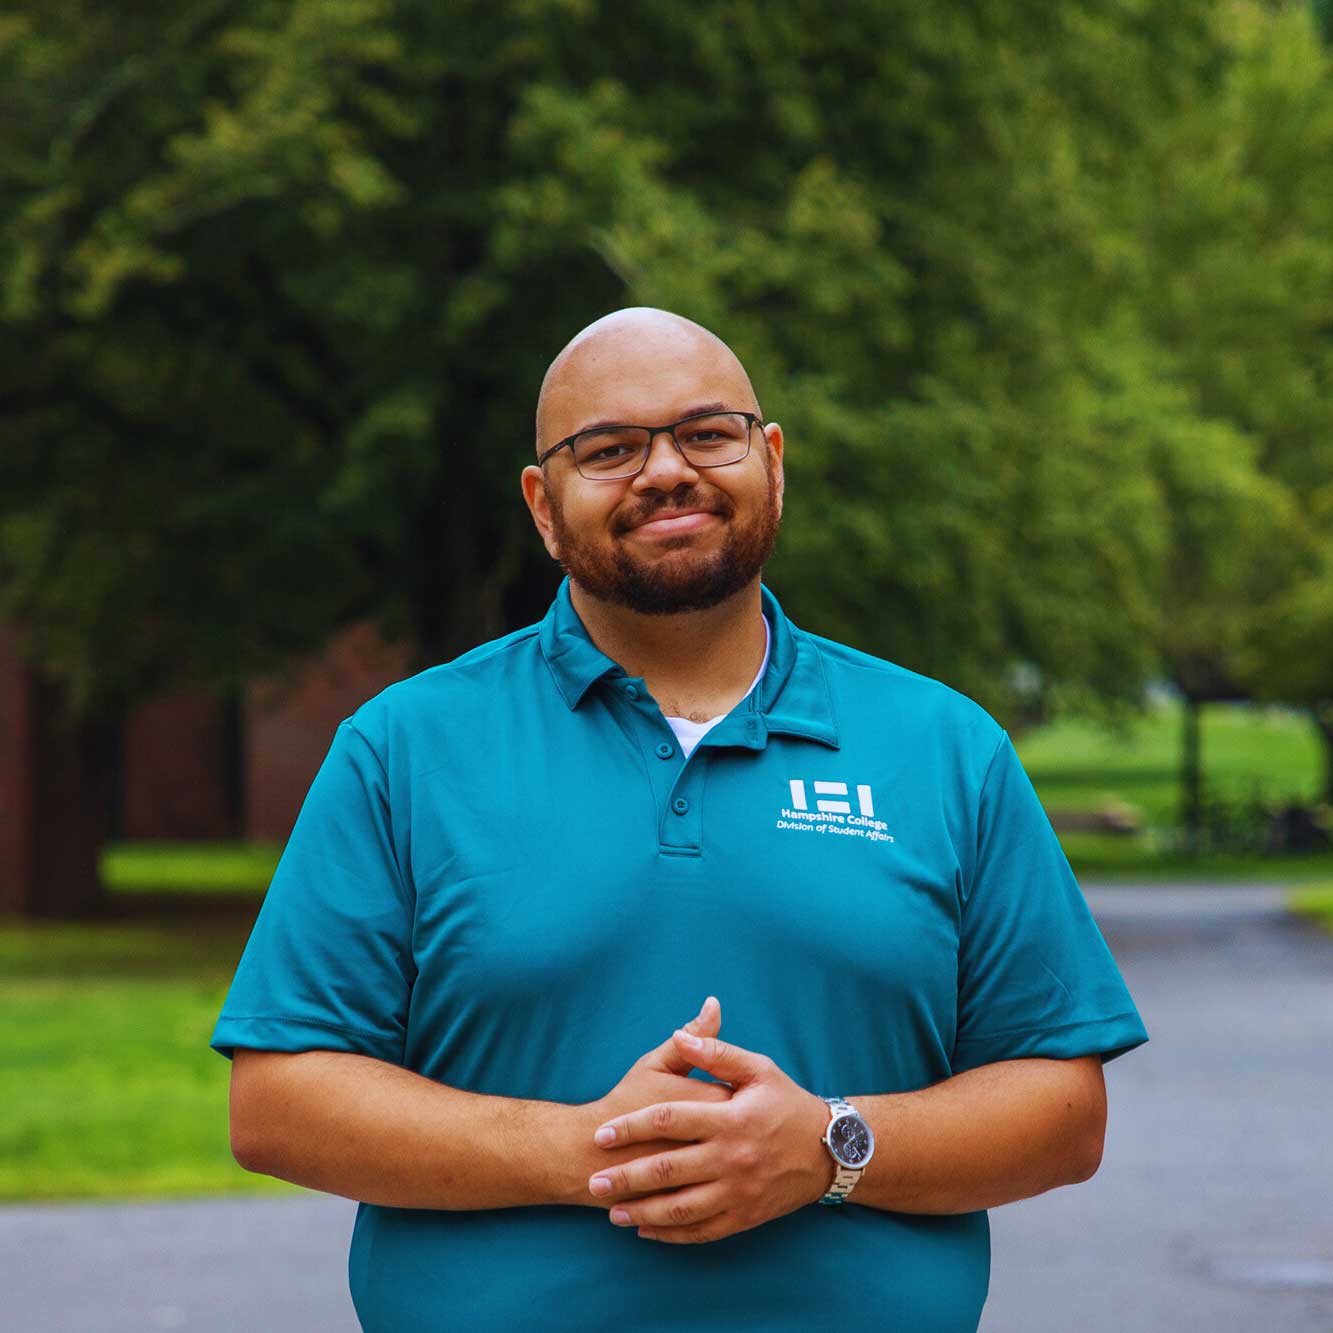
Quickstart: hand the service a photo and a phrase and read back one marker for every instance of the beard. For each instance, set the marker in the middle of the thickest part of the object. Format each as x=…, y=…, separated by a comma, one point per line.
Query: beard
x=678, y=579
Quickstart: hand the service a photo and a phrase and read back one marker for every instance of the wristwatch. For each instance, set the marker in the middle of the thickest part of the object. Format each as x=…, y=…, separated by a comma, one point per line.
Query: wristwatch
x=851, y=1144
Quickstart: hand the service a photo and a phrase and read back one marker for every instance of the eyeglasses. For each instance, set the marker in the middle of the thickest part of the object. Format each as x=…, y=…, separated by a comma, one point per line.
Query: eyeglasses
x=612, y=453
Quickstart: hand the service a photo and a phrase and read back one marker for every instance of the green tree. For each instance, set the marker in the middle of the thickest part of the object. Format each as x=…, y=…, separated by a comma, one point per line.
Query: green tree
x=1236, y=289
x=280, y=280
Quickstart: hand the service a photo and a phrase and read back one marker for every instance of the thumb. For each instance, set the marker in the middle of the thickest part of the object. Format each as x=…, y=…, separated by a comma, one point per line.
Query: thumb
x=706, y=1023
x=731, y=1063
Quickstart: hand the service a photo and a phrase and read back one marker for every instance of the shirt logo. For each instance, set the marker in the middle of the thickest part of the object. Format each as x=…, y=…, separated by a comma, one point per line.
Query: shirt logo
x=831, y=816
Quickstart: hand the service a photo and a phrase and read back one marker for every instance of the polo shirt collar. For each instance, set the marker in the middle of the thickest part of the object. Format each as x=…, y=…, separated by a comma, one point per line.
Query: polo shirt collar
x=574, y=659
x=792, y=698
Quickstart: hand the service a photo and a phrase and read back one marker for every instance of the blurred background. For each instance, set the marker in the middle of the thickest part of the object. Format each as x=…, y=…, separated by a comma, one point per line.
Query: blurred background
x=1041, y=294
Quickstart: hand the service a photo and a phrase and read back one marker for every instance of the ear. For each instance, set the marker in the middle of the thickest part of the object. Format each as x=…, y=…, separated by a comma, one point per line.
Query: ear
x=773, y=435
x=533, y=482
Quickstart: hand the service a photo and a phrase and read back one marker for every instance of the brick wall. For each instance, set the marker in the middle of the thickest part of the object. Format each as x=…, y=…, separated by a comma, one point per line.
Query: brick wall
x=15, y=775
x=173, y=782
x=287, y=734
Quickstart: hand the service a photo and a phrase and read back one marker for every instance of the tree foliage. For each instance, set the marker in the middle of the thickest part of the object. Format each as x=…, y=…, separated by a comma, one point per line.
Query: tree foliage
x=1240, y=272
x=278, y=282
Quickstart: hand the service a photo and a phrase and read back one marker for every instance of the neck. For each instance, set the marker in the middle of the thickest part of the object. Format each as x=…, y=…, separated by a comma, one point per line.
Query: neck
x=696, y=664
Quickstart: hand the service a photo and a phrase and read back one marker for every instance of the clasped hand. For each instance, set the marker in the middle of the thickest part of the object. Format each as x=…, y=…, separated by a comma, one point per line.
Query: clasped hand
x=741, y=1156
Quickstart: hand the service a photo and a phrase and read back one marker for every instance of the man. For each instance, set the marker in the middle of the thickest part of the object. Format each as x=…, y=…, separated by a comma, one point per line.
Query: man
x=516, y=872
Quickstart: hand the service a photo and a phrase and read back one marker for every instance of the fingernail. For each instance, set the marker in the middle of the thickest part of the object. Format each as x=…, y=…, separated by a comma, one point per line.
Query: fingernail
x=605, y=1135
x=645, y=1234
x=690, y=1040
x=619, y=1216
x=600, y=1185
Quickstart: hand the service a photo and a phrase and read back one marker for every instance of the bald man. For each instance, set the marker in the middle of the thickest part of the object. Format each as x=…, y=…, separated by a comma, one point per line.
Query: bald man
x=515, y=873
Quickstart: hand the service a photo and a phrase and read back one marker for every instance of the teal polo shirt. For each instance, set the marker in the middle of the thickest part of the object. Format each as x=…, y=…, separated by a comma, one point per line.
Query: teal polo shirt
x=506, y=878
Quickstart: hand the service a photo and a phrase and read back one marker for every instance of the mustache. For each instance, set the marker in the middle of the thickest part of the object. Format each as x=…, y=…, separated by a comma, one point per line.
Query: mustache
x=645, y=513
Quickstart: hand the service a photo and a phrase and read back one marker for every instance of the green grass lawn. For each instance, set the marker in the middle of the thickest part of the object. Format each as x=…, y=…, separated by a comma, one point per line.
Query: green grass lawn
x=1245, y=751
x=106, y=1077
x=190, y=867
x=110, y=1089
x=1260, y=753
x=1316, y=902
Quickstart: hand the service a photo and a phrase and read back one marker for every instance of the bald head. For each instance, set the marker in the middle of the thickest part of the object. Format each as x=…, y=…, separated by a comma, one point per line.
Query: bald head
x=636, y=361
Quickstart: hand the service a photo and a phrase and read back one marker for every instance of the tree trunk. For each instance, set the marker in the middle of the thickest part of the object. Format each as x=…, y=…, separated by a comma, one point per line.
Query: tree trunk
x=75, y=783
x=444, y=593
x=465, y=562
x=1190, y=776
x=233, y=761
x=475, y=574
x=16, y=751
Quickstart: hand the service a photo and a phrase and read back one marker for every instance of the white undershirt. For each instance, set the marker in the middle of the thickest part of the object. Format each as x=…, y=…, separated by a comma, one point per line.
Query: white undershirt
x=689, y=733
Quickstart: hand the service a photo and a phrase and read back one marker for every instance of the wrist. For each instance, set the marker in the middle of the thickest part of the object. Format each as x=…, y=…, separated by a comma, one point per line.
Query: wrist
x=822, y=1167
x=571, y=1151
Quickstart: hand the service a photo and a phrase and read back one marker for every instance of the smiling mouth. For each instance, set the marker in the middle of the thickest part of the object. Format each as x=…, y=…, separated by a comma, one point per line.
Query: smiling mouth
x=668, y=524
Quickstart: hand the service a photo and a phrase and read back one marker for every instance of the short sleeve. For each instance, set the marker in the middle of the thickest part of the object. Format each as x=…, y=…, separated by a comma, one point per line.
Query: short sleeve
x=1035, y=976
x=329, y=963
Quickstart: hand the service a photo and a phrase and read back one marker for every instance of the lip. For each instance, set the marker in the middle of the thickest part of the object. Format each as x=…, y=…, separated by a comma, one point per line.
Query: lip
x=668, y=525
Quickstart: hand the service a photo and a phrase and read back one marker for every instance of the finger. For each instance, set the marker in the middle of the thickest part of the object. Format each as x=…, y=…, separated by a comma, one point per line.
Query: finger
x=653, y=1173
x=669, y=1057
x=682, y=1208
x=719, y=1226
x=663, y=1120
x=727, y=1061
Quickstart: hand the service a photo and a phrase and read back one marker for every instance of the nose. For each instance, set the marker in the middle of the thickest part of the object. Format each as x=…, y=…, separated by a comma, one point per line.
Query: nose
x=666, y=467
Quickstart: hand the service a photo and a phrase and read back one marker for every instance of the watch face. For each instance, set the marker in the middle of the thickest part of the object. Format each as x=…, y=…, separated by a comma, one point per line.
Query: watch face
x=850, y=1139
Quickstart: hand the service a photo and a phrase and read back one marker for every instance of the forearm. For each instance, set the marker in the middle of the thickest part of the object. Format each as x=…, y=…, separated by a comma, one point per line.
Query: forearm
x=982, y=1138
x=368, y=1130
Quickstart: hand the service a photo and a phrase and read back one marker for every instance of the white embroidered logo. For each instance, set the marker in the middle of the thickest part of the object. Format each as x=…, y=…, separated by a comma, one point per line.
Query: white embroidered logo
x=797, y=786
x=833, y=816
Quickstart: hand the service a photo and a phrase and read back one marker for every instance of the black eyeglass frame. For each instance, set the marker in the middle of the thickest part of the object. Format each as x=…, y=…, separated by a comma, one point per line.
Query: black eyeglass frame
x=751, y=421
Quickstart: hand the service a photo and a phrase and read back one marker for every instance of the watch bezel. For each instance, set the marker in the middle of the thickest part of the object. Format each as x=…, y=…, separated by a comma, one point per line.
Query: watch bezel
x=835, y=1154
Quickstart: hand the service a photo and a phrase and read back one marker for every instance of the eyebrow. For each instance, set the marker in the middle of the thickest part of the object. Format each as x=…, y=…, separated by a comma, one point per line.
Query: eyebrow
x=697, y=410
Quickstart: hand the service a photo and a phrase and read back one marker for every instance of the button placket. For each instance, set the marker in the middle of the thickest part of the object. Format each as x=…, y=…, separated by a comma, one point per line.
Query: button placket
x=674, y=788
x=681, y=824
x=644, y=726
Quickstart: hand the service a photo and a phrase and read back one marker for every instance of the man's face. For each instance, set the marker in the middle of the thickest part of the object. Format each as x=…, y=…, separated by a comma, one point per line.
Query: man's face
x=617, y=539
x=654, y=570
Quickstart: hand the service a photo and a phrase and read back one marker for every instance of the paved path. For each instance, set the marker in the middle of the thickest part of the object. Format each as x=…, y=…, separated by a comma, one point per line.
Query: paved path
x=216, y=1266
x=1213, y=1209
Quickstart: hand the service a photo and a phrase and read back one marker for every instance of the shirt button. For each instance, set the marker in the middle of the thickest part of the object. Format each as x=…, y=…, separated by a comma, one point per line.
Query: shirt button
x=680, y=805
x=631, y=691
x=664, y=751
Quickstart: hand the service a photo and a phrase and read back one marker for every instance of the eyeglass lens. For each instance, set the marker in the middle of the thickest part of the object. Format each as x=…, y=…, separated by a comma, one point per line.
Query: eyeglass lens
x=708, y=441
